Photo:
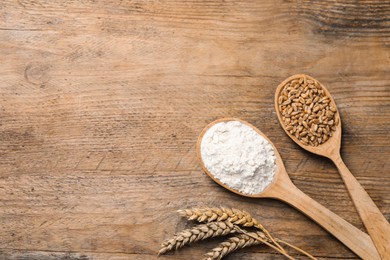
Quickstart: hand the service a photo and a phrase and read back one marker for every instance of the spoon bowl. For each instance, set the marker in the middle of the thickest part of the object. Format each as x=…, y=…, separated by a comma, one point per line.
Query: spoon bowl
x=280, y=174
x=283, y=189
x=376, y=224
x=332, y=145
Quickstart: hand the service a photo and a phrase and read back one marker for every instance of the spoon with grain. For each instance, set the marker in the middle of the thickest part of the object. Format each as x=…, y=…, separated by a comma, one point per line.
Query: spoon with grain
x=309, y=116
x=281, y=187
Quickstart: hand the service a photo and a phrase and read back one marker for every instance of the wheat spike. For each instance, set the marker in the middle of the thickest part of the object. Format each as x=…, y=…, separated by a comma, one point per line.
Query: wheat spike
x=234, y=243
x=235, y=216
x=199, y=232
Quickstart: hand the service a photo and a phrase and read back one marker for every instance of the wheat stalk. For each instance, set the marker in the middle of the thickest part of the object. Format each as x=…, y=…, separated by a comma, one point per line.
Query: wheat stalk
x=297, y=249
x=279, y=249
x=235, y=216
x=199, y=232
x=234, y=243
x=262, y=240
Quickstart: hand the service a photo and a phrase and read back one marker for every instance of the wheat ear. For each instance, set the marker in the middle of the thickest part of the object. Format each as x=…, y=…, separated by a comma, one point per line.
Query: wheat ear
x=199, y=232
x=232, y=244
x=235, y=216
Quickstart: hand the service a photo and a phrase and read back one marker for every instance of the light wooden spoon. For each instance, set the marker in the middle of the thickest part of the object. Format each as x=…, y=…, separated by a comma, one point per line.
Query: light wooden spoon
x=376, y=224
x=283, y=189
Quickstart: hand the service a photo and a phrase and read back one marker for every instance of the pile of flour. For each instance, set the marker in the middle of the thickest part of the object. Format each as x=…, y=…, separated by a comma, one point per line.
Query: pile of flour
x=238, y=156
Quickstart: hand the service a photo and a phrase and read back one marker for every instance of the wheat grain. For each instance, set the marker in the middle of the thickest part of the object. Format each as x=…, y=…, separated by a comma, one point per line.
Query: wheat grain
x=315, y=115
x=199, y=232
x=234, y=243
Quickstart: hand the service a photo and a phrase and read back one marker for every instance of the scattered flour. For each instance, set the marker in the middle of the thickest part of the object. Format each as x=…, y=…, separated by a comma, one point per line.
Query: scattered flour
x=238, y=156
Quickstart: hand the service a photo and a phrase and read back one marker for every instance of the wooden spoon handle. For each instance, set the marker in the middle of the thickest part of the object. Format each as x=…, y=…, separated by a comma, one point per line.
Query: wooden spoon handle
x=374, y=221
x=356, y=240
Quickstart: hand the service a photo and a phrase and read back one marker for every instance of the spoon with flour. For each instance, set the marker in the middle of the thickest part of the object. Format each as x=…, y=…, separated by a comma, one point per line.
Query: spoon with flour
x=240, y=158
x=309, y=116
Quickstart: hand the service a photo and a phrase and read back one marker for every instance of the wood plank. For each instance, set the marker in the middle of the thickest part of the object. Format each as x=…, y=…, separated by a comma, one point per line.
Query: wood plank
x=101, y=103
x=45, y=255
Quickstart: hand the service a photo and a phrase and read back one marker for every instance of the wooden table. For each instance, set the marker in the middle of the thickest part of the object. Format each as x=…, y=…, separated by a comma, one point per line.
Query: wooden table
x=101, y=103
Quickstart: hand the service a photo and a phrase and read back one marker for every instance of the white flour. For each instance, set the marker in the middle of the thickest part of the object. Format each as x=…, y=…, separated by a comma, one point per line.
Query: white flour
x=238, y=156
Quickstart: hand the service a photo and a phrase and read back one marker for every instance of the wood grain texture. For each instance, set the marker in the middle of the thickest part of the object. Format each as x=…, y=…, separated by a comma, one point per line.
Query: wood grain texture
x=101, y=103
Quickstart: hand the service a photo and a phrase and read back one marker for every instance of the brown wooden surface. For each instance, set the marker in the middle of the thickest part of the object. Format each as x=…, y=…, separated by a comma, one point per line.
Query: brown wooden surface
x=101, y=103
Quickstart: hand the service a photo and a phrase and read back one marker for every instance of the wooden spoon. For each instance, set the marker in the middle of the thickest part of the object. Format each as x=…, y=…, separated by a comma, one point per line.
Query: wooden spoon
x=376, y=224
x=283, y=189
